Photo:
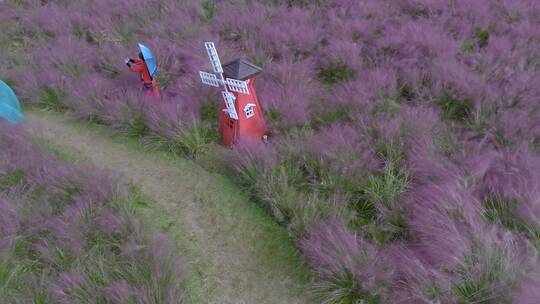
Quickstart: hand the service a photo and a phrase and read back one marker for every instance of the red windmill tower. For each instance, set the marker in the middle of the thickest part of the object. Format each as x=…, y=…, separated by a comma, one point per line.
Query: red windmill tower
x=241, y=116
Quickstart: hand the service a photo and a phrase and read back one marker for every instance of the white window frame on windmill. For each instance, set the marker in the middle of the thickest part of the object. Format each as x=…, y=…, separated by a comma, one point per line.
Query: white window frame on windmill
x=229, y=99
x=249, y=110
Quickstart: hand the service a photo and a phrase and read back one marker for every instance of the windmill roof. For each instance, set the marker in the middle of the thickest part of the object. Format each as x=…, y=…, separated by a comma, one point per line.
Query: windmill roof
x=241, y=69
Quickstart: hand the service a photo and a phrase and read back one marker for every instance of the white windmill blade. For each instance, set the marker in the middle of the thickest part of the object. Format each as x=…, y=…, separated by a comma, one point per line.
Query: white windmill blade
x=232, y=113
x=210, y=79
x=236, y=85
x=229, y=99
x=214, y=58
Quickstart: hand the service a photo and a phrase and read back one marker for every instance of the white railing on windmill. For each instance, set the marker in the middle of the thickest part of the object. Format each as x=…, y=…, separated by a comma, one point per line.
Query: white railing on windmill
x=231, y=84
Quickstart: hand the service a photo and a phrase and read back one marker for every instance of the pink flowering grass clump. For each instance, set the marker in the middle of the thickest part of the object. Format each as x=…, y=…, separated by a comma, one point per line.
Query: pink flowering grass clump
x=404, y=134
x=69, y=234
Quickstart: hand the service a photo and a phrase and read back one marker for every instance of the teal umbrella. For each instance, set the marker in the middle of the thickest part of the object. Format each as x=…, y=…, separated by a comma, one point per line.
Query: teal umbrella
x=10, y=109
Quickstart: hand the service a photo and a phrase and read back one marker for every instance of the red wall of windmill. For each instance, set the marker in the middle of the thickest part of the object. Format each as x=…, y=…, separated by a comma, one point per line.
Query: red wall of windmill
x=249, y=126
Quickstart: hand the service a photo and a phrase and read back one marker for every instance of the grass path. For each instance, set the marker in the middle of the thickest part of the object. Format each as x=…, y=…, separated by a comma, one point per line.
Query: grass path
x=238, y=254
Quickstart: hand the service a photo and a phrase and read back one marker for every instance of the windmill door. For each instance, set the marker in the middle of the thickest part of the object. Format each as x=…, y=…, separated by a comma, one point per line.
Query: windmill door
x=228, y=130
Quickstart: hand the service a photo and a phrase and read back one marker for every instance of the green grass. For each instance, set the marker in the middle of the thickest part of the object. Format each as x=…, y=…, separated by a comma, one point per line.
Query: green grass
x=59, y=153
x=136, y=127
x=390, y=150
x=274, y=115
x=192, y=142
x=377, y=213
x=454, y=108
x=277, y=249
x=478, y=41
x=232, y=35
x=482, y=37
x=14, y=44
x=503, y=211
x=125, y=33
x=342, y=288
x=406, y=92
x=387, y=104
x=485, y=278
x=297, y=191
x=383, y=189
x=107, y=69
x=336, y=72
x=51, y=99
x=302, y=3
x=165, y=221
x=208, y=10
x=340, y=114
x=386, y=220
x=536, y=145
x=445, y=143
x=210, y=111
x=10, y=179
x=478, y=120
x=11, y=273
x=468, y=46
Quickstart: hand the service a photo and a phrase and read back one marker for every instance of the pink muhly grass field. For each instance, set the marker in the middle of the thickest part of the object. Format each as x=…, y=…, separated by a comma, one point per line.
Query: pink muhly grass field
x=404, y=154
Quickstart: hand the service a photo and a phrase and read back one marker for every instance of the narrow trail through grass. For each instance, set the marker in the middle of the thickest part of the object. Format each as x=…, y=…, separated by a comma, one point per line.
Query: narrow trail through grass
x=245, y=257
